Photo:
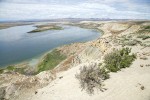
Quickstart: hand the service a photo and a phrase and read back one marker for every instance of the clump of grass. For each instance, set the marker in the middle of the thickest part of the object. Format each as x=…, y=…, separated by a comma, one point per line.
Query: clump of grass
x=146, y=45
x=20, y=70
x=91, y=77
x=50, y=61
x=144, y=37
x=127, y=40
x=118, y=59
x=132, y=42
x=144, y=29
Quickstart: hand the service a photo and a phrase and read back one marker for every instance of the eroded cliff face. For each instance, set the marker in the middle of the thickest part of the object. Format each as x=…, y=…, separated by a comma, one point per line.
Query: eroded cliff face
x=95, y=50
x=15, y=86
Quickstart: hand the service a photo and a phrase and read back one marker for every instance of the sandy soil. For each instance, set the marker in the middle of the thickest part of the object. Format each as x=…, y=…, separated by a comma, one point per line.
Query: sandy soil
x=123, y=85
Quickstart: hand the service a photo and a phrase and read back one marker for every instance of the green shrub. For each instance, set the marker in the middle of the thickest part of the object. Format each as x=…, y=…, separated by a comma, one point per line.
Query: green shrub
x=50, y=61
x=91, y=77
x=118, y=59
x=146, y=27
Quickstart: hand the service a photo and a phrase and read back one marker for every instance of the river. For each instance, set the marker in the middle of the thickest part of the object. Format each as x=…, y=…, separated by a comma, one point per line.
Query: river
x=17, y=45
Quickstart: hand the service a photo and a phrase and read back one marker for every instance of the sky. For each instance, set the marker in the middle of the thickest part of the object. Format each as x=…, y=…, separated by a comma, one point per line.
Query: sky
x=52, y=9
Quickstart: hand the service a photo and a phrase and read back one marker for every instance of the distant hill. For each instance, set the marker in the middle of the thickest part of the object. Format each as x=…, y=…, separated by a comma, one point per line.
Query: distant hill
x=67, y=19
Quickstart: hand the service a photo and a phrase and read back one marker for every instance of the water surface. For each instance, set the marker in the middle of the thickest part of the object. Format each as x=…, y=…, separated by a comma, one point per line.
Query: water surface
x=17, y=45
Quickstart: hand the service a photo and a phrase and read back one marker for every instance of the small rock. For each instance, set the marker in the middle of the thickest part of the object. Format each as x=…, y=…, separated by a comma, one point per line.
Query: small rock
x=142, y=87
x=144, y=53
x=143, y=58
x=106, y=42
x=141, y=65
x=147, y=65
x=36, y=92
x=61, y=77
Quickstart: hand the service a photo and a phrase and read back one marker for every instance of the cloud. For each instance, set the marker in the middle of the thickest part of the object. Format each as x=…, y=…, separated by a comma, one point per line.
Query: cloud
x=47, y=9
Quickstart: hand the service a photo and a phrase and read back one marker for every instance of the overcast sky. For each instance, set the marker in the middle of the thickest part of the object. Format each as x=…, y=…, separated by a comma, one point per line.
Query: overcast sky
x=48, y=9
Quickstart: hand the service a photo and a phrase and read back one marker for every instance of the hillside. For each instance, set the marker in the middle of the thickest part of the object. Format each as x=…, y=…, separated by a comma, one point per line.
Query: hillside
x=60, y=83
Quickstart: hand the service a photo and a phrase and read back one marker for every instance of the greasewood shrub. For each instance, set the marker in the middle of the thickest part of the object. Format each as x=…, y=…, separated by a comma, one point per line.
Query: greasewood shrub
x=118, y=59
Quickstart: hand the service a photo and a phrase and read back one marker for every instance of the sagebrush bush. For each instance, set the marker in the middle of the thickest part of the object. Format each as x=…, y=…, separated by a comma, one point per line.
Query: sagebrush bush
x=91, y=77
x=118, y=59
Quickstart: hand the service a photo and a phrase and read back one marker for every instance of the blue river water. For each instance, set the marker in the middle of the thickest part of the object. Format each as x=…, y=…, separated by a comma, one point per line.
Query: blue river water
x=17, y=45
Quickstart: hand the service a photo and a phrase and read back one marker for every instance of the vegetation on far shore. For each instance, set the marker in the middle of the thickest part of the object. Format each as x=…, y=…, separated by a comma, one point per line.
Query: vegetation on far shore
x=8, y=25
x=45, y=28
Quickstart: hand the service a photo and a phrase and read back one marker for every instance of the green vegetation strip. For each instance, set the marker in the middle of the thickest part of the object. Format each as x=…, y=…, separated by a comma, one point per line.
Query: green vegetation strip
x=13, y=69
x=50, y=61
